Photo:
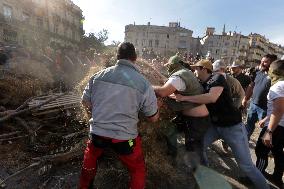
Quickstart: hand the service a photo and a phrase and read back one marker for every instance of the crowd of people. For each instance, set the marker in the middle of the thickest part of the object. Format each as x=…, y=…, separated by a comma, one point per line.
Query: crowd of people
x=208, y=102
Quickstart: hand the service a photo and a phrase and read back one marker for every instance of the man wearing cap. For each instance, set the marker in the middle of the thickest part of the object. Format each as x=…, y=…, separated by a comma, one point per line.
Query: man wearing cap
x=226, y=120
x=236, y=70
x=235, y=87
x=194, y=116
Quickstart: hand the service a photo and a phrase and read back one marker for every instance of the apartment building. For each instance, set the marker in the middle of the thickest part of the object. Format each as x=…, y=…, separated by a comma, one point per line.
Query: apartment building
x=160, y=40
x=228, y=46
x=38, y=24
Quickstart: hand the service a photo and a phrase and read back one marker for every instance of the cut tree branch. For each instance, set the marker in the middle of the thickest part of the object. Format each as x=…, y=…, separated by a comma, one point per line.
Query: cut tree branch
x=29, y=109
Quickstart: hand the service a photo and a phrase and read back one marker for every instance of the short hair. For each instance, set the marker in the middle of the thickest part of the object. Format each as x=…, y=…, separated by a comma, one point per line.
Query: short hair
x=126, y=50
x=207, y=70
x=271, y=57
x=278, y=66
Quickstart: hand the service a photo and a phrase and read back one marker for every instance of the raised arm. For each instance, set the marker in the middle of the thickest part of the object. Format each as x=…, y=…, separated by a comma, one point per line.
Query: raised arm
x=207, y=98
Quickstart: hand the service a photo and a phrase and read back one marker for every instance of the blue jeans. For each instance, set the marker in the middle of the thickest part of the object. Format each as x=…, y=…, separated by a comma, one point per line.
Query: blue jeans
x=236, y=137
x=254, y=114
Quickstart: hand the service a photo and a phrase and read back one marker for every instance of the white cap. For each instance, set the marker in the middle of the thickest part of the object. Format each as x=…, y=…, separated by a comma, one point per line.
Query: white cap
x=217, y=65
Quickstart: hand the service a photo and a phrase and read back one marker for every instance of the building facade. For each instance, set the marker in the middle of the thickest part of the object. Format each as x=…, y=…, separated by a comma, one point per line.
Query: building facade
x=159, y=40
x=229, y=46
x=38, y=24
x=260, y=46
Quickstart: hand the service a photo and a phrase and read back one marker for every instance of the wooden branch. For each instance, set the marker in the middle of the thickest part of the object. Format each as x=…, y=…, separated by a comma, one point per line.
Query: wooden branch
x=13, y=138
x=74, y=134
x=29, y=109
x=24, y=104
x=20, y=171
x=9, y=134
x=24, y=124
x=62, y=157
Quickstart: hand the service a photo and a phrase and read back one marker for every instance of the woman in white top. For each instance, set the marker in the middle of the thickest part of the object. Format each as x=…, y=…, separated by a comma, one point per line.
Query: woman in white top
x=271, y=137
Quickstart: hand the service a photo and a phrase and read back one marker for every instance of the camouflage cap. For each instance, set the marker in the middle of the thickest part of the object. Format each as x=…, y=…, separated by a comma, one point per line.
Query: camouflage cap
x=174, y=60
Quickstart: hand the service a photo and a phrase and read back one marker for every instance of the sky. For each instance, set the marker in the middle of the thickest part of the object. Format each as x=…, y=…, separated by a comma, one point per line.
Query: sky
x=265, y=17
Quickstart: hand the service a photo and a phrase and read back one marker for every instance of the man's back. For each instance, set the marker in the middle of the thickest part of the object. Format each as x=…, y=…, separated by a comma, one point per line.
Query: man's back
x=244, y=80
x=117, y=95
x=236, y=89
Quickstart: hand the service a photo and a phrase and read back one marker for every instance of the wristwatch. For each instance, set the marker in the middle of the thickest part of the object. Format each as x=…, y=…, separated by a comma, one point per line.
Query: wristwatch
x=269, y=131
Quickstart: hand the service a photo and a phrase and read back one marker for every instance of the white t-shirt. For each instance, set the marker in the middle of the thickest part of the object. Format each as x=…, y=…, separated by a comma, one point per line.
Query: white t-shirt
x=275, y=91
x=177, y=82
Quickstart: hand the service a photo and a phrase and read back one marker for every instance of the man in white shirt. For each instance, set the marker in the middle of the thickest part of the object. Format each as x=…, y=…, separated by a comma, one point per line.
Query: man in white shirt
x=193, y=118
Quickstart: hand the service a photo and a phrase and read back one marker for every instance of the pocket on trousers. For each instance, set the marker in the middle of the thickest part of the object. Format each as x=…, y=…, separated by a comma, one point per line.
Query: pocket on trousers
x=100, y=142
x=124, y=148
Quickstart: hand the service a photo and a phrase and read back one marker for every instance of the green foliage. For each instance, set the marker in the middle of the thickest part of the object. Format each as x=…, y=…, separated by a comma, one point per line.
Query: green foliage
x=94, y=42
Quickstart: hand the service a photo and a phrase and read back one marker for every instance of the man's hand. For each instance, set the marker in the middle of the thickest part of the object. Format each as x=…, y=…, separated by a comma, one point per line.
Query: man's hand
x=177, y=97
x=261, y=123
x=267, y=139
x=244, y=103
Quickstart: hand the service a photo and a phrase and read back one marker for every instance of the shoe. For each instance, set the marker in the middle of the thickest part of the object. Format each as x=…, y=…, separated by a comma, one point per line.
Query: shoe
x=277, y=182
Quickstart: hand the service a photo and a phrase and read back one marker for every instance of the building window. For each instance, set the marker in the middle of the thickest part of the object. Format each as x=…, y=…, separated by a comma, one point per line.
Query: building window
x=168, y=36
x=182, y=44
x=37, y=1
x=9, y=35
x=65, y=32
x=26, y=17
x=24, y=40
x=136, y=41
x=40, y=22
x=150, y=43
x=227, y=43
x=143, y=42
x=7, y=11
x=156, y=43
x=55, y=29
x=73, y=34
x=182, y=34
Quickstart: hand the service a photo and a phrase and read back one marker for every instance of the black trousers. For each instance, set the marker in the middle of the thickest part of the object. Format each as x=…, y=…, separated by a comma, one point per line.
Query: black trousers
x=194, y=131
x=262, y=152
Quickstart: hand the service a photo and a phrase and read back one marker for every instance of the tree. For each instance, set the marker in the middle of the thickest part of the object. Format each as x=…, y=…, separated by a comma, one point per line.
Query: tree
x=102, y=35
x=92, y=41
x=115, y=43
